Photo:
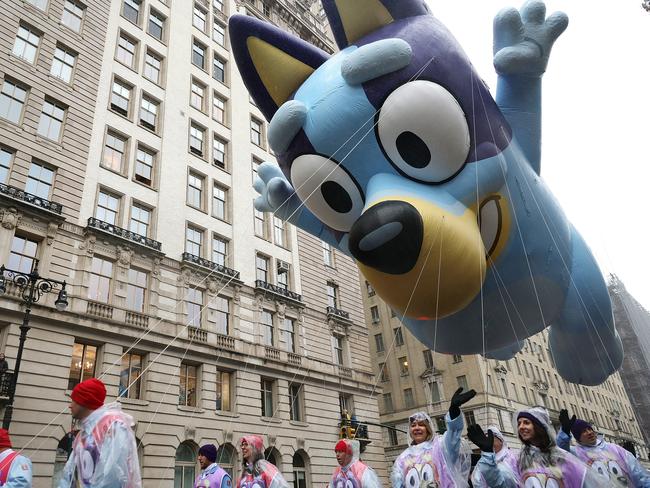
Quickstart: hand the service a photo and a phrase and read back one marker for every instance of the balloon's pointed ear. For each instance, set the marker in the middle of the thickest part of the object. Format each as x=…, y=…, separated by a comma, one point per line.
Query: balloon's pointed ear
x=272, y=63
x=350, y=20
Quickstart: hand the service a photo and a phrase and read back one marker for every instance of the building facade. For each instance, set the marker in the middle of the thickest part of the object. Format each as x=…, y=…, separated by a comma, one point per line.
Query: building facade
x=414, y=378
x=129, y=146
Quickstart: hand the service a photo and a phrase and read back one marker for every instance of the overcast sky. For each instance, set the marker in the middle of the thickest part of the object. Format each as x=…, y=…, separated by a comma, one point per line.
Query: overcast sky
x=596, y=114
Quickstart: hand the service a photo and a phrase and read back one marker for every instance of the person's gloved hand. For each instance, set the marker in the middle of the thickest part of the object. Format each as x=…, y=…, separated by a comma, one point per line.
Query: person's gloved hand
x=459, y=399
x=566, y=422
x=485, y=442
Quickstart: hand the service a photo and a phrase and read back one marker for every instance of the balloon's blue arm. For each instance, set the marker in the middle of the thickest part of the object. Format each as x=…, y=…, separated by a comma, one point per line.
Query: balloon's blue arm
x=522, y=45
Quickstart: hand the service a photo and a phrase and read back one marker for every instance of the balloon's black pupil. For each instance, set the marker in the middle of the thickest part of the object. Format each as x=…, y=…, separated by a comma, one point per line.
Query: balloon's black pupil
x=414, y=151
x=336, y=197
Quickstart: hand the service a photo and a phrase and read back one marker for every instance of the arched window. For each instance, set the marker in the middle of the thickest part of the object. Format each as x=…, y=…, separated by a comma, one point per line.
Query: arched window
x=227, y=457
x=301, y=470
x=272, y=455
x=185, y=467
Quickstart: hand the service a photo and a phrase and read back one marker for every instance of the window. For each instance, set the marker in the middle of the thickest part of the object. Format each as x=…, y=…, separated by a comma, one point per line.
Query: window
x=144, y=163
x=409, y=401
x=26, y=43
x=219, y=152
x=428, y=359
x=131, y=10
x=379, y=342
x=193, y=240
x=152, y=67
x=504, y=386
x=289, y=334
x=195, y=185
x=295, y=402
x=114, y=152
x=267, y=328
x=384, y=375
x=197, y=95
x=219, y=33
x=156, y=24
x=328, y=255
x=267, y=397
x=457, y=358
x=388, y=402
x=194, y=307
x=82, y=367
x=107, y=207
x=197, y=135
x=266, y=9
x=332, y=294
x=435, y=392
x=219, y=69
x=187, y=390
x=63, y=63
x=73, y=13
x=39, y=180
x=299, y=470
x=262, y=268
x=374, y=314
x=224, y=400
x=23, y=254
x=219, y=109
x=279, y=232
x=199, y=18
x=226, y=458
x=260, y=223
x=399, y=338
x=6, y=156
x=126, y=50
x=282, y=272
x=51, y=121
x=140, y=220
x=222, y=314
x=255, y=164
x=462, y=382
x=392, y=437
x=219, y=250
x=403, y=366
x=135, y=290
x=130, y=376
x=99, y=285
x=121, y=98
x=370, y=290
x=12, y=101
x=185, y=465
x=198, y=54
x=218, y=5
x=337, y=344
x=219, y=202
x=149, y=112
x=40, y=4
x=469, y=418
x=256, y=131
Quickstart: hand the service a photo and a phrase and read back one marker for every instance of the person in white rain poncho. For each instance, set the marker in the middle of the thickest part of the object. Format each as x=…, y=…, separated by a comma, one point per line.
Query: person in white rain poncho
x=435, y=461
x=104, y=453
x=351, y=472
x=504, y=457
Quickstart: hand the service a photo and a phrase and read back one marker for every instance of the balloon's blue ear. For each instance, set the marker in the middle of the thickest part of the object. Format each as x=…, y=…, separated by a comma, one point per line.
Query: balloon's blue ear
x=350, y=20
x=273, y=64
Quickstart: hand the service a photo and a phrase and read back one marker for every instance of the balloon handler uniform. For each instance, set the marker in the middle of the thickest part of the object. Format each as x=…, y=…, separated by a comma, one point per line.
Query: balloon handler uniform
x=545, y=466
x=617, y=465
x=104, y=453
x=15, y=469
x=506, y=460
x=260, y=473
x=214, y=476
x=440, y=461
x=354, y=474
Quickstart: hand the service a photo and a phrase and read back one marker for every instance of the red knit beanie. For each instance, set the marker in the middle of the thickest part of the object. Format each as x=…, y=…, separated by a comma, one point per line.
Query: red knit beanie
x=5, y=440
x=343, y=447
x=90, y=393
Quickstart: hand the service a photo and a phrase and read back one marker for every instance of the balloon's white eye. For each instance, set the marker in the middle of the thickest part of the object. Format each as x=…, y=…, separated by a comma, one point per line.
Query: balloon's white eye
x=552, y=483
x=423, y=131
x=257, y=485
x=340, y=484
x=327, y=190
x=533, y=482
x=600, y=467
x=427, y=472
x=614, y=468
x=412, y=478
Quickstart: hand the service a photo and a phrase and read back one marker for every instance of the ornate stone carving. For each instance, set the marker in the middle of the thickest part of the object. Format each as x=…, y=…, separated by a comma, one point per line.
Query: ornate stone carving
x=155, y=270
x=89, y=244
x=124, y=256
x=271, y=438
x=190, y=432
x=227, y=435
x=259, y=302
x=184, y=276
x=280, y=308
x=52, y=228
x=212, y=286
x=300, y=442
x=236, y=297
x=10, y=218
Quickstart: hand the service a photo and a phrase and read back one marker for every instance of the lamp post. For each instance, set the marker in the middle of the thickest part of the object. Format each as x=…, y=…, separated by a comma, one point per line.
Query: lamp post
x=33, y=287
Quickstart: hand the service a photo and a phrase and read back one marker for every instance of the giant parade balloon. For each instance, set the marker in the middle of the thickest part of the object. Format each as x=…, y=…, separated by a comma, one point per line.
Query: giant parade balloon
x=394, y=151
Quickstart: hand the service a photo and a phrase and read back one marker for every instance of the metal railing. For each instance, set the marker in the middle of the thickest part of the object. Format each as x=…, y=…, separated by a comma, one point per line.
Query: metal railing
x=206, y=263
x=124, y=234
x=278, y=290
x=17, y=194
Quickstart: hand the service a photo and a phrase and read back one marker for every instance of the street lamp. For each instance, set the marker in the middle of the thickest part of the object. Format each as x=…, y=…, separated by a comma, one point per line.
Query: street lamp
x=33, y=287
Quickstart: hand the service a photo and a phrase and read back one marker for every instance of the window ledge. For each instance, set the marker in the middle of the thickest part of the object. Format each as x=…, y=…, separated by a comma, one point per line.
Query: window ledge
x=226, y=413
x=133, y=401
x=183, y=408
x=271, y=420
x=49, y=142
x=299, y=424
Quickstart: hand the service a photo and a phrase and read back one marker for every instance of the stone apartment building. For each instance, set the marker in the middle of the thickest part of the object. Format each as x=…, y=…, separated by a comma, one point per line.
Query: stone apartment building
x=128, y=145
x=414, y=378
